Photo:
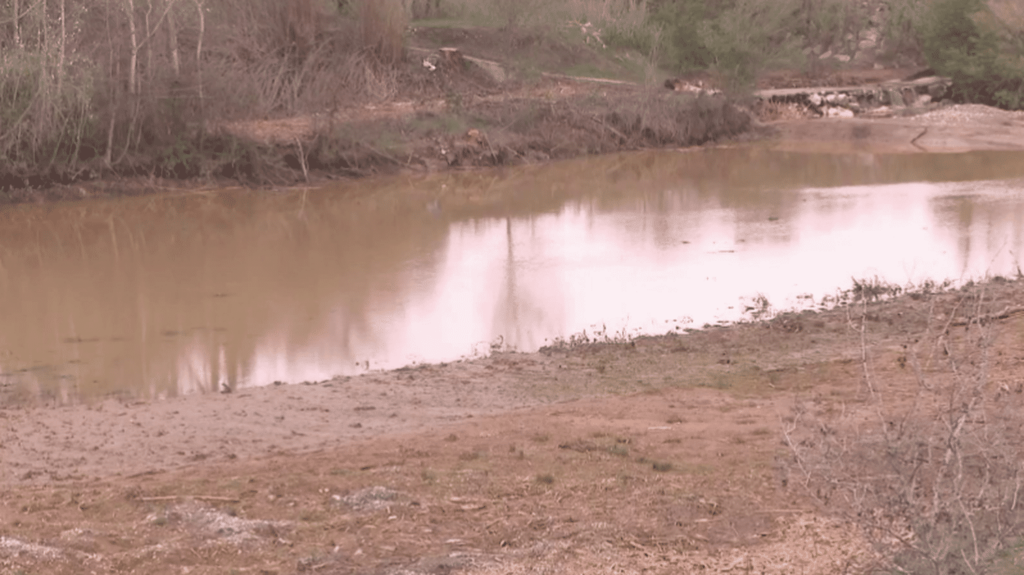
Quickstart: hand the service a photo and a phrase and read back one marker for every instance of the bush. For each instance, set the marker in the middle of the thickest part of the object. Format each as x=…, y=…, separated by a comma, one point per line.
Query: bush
x=750, y=36
x=382, y=27
x=929, y=469
x=682, y=48
x=134, y=88
x=900, y=30
x=965, y=40
x=45, y=120
x=737, y=39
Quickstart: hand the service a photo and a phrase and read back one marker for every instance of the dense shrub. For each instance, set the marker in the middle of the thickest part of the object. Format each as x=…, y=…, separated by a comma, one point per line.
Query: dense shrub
x=736, y=38
x=965, y=40
x=683, y=50
x=136, y=86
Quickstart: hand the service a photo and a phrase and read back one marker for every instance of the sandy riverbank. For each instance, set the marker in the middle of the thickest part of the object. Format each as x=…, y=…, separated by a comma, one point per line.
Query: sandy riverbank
x=660, y=453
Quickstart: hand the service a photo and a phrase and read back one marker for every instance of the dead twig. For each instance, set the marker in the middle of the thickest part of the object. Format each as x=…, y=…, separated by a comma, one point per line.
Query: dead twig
x=302, y=161
x=196, y=497
x=1004, y=314
x=609, y=128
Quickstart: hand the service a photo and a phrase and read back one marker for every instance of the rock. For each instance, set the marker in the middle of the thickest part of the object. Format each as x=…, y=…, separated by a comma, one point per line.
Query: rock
x=879, y=112
x=814, y=99
x=835, y=112
x=680, y=85
x=826, y=55
x=937, y=91
x=842, y=58
x=869, y=40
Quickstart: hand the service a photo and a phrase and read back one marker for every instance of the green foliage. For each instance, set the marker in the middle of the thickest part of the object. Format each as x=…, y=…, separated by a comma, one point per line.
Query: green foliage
x=737, y=38
x=900, y=29
x=960, y=40
x=748, y=37
x=641, y=40
x=511, y=15
x=827, y=23
x=682, y=47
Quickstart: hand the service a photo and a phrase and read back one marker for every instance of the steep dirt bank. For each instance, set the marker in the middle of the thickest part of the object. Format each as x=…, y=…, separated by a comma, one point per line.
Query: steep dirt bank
x=665, y=453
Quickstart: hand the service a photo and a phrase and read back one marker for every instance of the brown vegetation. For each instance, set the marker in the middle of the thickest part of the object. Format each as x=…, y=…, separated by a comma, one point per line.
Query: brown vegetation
x=930, y=471
x=139, y=85
x=180, y=90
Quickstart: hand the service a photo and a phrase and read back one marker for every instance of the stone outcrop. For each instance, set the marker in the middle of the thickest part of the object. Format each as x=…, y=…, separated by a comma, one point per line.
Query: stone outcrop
x=875, y=99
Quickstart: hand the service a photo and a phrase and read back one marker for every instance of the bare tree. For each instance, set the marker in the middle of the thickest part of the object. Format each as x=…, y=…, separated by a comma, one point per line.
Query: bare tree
x=16, y=22
x=199, y=53
x=172, y=39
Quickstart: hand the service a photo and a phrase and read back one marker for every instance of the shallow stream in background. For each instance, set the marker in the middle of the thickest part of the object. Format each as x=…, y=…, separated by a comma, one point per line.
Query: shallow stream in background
x=157, y=296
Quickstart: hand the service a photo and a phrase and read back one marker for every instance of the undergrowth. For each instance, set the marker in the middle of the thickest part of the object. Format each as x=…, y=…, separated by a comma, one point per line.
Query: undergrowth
x=929, y=465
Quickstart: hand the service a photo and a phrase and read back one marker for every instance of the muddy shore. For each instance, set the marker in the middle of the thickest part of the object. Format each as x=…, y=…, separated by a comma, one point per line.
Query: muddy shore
x=661, y=453
x=943, y=129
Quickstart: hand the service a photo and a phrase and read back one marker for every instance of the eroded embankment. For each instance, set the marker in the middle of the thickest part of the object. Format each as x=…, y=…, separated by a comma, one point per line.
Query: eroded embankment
x=554, y=119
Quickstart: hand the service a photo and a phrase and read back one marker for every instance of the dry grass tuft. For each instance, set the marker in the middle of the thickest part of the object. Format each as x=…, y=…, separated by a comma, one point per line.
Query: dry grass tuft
x=382, y=27
x=781, y=111
x=931, y=474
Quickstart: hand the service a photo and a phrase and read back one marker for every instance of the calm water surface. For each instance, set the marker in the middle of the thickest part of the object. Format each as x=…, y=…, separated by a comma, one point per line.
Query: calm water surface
x=174, y=294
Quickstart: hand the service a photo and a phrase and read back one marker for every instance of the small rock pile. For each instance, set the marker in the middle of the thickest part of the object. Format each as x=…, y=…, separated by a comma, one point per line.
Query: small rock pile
x=878, y=100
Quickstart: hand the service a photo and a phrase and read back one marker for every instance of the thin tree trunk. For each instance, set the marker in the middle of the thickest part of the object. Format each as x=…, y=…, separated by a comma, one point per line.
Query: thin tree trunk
x=43, y=37
x=199, y=75
x=172, y=30
x=199, y=50
x=108, y=155
x=63, y=49
x=17, y=25
x=149, y=45
x=133, y=63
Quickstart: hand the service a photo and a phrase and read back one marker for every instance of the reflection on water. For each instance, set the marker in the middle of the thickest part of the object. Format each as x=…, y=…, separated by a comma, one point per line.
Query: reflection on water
x=175, y=294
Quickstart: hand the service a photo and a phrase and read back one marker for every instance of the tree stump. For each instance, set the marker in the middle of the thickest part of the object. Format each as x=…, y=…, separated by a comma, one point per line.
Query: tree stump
x=450, y=58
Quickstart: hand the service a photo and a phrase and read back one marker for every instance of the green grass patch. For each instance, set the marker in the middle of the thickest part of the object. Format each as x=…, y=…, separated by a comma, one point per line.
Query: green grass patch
x=545, y=479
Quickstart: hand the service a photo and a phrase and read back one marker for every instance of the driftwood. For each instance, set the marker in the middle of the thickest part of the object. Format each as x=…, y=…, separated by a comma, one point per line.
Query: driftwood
x=1006, y=313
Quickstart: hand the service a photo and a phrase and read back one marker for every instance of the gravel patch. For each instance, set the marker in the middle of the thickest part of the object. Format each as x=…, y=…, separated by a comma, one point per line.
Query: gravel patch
x=966, y=115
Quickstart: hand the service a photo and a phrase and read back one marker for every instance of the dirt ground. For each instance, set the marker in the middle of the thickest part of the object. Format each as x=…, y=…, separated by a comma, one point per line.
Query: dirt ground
x=662, y=455
x=942, y=129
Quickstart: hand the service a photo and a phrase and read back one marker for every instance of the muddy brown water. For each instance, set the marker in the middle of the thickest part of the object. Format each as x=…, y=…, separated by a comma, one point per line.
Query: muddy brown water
x=180, y=293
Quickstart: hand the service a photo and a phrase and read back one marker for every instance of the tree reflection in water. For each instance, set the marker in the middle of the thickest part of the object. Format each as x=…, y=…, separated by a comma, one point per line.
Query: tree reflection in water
x=180, y=293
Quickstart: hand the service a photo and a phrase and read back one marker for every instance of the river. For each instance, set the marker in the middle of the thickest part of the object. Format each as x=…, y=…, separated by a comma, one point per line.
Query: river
x=188, y=292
